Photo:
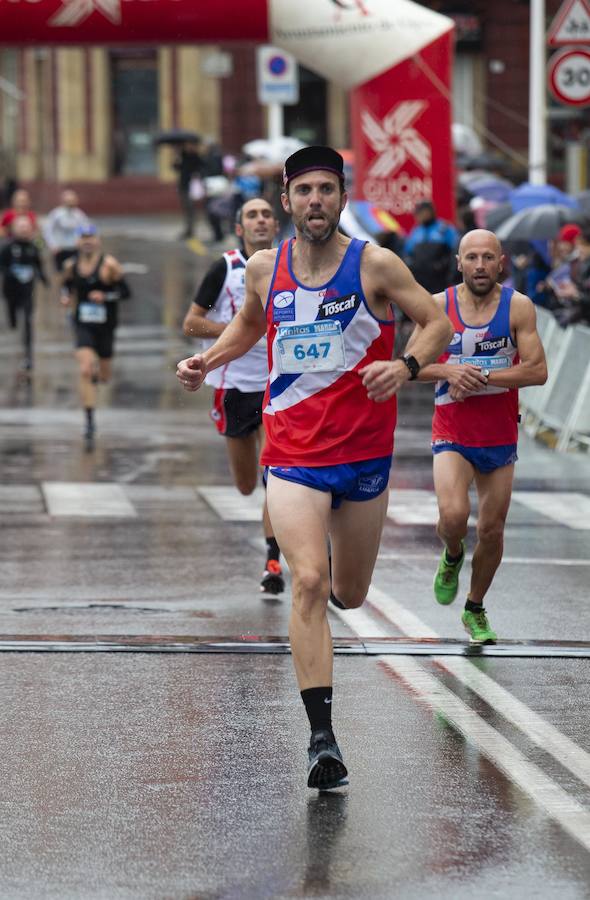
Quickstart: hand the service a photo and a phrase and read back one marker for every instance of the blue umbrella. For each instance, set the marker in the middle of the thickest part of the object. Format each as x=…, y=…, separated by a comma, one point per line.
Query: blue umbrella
x=490, y=187
x=527, y=195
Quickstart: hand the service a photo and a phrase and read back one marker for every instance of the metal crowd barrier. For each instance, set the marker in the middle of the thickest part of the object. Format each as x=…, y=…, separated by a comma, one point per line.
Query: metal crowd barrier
x=562, y=404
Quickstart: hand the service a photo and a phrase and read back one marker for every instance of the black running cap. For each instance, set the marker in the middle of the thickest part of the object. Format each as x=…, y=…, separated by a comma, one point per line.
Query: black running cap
x=309, y=159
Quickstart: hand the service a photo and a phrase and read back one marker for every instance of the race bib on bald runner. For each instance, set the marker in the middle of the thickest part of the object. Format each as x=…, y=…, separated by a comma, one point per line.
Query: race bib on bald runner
x=92, y=313
x=313, y=347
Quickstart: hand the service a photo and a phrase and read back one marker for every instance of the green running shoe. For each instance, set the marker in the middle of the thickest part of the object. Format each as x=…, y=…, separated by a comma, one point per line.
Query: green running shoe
x=477, y=627
x=446, y=580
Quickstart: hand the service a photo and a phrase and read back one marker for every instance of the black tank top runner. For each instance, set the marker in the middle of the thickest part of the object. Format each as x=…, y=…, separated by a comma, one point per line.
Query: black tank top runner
x=83, y=284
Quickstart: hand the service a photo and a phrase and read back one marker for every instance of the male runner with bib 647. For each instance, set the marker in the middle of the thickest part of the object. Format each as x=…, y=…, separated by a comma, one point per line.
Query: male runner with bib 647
x=495, y=350
x=325, y=303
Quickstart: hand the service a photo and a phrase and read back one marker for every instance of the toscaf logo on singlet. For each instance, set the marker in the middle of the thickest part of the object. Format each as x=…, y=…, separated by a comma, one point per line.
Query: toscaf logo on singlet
x=335, y=306
x=490, y=345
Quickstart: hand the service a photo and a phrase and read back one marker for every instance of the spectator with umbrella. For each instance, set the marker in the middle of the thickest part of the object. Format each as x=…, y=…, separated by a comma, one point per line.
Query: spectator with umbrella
x=188, y=165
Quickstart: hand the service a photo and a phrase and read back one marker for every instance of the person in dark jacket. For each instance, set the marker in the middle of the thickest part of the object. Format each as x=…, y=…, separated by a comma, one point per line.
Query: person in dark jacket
x=188, y=165
x=21, y=268
x=430, y=249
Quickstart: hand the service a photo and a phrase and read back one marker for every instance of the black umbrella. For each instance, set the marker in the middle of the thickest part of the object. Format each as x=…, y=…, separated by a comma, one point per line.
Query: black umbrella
x=494, y=217
x=538, y=223
x=176, y=136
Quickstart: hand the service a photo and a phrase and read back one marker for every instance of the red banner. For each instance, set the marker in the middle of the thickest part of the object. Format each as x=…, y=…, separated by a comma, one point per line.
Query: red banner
x=77, y=22
x=401, y=127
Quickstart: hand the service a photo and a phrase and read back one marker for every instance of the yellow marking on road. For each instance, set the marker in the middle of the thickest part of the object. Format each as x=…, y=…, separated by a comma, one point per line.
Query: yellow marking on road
x=196, y=246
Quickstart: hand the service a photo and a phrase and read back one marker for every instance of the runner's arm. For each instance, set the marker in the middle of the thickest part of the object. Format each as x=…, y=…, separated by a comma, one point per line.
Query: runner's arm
x=462, y=376
x=245, y=329
x=532, y=366
x=196, y=323
x=118, y=289
x=390, y=281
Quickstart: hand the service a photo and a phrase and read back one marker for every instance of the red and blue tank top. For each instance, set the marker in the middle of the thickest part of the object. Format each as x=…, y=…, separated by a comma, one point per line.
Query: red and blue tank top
x=488, y=418
x=316, y=411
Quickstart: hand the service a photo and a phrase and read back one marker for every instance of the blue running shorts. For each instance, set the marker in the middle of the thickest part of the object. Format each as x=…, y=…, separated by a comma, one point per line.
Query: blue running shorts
x=484, y=459
x=357, y=481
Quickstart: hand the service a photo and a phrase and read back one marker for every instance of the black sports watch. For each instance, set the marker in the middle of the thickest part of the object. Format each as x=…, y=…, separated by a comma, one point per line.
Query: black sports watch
x=412, y=364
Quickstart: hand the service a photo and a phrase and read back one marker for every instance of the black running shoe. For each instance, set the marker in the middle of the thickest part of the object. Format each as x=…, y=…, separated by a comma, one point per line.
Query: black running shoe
x=326, y=768
x=336, y=602
x=272, y=581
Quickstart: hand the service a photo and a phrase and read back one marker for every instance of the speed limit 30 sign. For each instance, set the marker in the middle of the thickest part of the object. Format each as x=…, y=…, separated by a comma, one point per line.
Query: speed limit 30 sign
x=569, y=76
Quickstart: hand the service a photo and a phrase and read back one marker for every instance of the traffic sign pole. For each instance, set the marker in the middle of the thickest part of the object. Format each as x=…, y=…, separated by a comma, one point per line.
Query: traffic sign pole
x=275, y=121
x=537, y=96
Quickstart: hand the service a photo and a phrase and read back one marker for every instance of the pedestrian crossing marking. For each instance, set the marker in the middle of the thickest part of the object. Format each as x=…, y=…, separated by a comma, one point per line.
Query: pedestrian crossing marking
x=231, y=506
x=88, y=500
x=568, y=509
x=565, y=508
x=414, y=507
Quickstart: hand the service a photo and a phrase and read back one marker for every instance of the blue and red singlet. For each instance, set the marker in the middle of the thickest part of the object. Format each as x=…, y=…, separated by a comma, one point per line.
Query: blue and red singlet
x=488, y=418
x=316, y=410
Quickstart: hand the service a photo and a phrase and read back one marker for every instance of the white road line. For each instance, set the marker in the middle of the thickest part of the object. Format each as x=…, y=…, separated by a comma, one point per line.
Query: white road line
x=533, y=726
x=231, y=506
x=414, y=507
x=556, y=802
x=568, y=508
x=88, y=500
x=510, y=560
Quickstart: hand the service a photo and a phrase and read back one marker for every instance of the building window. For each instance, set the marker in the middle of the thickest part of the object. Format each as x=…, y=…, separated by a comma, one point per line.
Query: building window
x=134, y=86
x=307, y=120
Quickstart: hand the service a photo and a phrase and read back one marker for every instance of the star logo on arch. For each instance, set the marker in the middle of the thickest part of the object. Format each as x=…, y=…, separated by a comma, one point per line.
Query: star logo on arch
x=75, y=11
x=395, y=140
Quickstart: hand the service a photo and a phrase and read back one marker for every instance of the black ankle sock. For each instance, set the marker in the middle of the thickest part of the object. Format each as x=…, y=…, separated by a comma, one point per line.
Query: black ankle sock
x=334, y=599
x=473, y=607
x=272, y=549
x=89, y=416
x=452, y=559
x=318, y=706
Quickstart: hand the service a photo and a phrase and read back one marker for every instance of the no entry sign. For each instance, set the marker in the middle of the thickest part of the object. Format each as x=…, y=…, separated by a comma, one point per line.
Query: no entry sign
x=569, y=76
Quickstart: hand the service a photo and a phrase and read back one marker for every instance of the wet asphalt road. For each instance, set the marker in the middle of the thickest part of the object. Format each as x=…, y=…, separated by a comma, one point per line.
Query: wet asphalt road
x=177, y=775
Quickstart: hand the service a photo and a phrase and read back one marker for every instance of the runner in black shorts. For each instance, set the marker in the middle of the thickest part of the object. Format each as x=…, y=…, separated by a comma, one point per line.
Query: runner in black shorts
x=21, y=267
x=93, y=284
x=239, y=387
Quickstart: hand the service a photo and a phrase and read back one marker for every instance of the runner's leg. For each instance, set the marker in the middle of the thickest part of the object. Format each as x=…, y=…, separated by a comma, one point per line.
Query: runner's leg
x=452, y=477
x=355, y=535
x=300, y=517
x=88, y=369
x=242, y=453
x=494, y=491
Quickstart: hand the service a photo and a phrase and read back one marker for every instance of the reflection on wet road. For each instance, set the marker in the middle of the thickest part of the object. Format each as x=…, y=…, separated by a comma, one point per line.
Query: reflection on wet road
x=150, y=772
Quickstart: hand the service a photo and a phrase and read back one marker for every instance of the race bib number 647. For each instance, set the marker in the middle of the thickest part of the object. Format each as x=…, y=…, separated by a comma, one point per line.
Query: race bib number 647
x=312, y=347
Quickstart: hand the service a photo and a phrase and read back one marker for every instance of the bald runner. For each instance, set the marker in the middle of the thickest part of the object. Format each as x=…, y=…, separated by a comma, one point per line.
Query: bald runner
x=495, y=349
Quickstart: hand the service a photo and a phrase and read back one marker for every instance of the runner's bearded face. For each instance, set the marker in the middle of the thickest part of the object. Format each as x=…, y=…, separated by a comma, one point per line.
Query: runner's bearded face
x=481, y=268
x=315, y=201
